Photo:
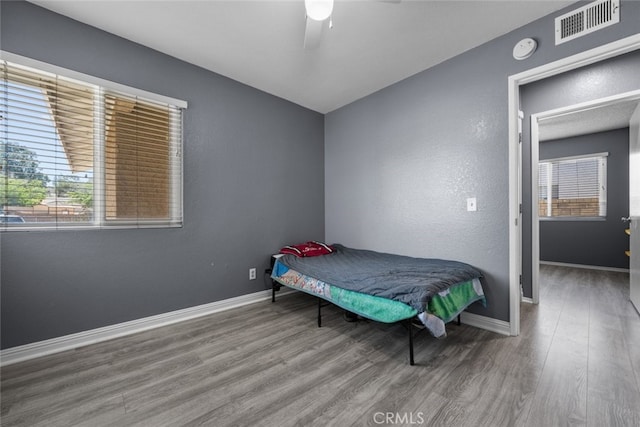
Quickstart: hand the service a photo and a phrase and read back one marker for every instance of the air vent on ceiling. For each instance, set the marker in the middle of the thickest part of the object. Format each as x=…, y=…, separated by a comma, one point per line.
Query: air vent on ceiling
x=587, y=19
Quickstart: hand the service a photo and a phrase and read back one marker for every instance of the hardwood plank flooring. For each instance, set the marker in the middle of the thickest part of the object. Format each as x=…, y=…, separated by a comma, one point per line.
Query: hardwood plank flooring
x=576, y=362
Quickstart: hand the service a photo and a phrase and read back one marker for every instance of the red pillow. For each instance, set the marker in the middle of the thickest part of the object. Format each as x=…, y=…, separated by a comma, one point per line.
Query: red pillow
x=307, y=249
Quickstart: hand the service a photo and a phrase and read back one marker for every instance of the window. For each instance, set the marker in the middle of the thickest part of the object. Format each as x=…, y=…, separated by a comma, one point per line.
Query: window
x=76, y=151
x=573, y=187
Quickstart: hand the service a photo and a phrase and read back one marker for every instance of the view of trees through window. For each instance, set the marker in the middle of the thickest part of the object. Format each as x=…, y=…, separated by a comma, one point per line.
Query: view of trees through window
x=38, y=183
x=73, y=152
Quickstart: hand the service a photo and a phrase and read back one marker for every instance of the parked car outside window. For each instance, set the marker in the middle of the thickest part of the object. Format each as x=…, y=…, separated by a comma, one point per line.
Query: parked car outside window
x=11, y=219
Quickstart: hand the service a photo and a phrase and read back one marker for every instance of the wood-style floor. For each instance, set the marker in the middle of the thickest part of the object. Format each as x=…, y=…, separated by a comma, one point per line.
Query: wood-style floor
x=577, y=362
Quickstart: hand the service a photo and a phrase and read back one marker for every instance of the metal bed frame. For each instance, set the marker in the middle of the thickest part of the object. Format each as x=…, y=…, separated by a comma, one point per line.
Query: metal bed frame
x=407, y=323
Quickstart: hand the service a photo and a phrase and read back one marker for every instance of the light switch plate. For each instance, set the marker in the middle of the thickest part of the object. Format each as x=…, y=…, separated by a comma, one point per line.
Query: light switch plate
x=471, y=204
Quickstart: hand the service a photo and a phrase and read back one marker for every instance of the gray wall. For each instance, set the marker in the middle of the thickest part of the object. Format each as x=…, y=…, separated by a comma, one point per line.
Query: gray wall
x=617, y=75
x=398, y=166
x=599, y=243
x=241, y=149
x=400, y=163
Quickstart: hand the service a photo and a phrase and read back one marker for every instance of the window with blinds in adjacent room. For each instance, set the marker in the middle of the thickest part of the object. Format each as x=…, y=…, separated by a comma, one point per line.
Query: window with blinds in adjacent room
x=77, y=151
x=573, y=187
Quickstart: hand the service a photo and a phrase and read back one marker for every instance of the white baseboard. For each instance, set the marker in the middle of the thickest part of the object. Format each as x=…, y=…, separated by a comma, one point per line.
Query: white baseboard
x=588, y=267
x=527, y=300
x=487, y=323
x=68, y=342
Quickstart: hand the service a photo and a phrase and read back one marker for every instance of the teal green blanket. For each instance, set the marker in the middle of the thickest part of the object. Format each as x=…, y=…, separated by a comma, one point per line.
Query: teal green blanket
x=437, y=309
x=413, y=281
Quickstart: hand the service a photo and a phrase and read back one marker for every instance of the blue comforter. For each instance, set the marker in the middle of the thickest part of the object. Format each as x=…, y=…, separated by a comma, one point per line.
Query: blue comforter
x=410, y=280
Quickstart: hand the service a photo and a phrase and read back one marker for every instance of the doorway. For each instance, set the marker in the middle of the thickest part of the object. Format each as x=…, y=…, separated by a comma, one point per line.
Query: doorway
x=591, y=117
x=592, y=56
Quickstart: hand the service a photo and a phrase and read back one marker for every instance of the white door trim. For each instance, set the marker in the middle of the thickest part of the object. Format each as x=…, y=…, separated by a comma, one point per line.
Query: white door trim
x=535, y=155
x=634, y=209
x=535, y=224
x=591, y=56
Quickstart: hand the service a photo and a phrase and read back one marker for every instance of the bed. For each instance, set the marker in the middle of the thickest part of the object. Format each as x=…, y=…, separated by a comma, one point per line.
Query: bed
x=384, y=287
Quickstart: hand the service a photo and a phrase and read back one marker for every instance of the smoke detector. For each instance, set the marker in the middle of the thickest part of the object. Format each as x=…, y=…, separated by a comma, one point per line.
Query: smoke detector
x=524, y=49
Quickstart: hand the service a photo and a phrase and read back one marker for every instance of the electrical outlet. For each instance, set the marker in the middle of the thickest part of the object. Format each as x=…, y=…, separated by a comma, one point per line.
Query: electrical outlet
x=252, y=274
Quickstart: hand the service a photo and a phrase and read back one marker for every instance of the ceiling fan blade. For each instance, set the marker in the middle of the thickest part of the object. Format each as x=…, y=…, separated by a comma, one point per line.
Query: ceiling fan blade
x=312, y=33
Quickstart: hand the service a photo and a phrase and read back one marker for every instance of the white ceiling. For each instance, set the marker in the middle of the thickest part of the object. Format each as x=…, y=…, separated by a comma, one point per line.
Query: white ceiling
x=373, y=43
x=589, y=120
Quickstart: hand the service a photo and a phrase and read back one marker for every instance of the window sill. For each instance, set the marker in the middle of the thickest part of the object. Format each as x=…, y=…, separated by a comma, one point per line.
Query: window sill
x=572, y=218
x=76, y=227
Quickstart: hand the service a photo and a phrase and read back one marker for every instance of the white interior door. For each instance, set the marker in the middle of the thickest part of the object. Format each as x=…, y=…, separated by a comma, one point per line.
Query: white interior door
x=634, y=207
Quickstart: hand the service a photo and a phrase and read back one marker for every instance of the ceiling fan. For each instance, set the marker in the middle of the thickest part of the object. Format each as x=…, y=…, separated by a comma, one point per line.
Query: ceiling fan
x=318, y=16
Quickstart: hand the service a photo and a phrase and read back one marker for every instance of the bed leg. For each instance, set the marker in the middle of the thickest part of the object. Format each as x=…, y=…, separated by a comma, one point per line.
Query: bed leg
x=410, y=330
x=458, y=321
x=275, y=287
x=319, y=312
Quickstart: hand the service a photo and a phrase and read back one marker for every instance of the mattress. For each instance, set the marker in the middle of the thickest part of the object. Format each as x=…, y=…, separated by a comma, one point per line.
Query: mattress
x=384, y=287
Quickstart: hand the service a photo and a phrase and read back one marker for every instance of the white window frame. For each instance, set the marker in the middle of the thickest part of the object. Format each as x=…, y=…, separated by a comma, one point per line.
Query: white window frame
x=102, y=85
x=602, y=187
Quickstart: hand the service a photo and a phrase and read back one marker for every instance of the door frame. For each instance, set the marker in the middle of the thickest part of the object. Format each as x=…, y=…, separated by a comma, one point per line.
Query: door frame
x=634, y=209
x=633, y=95
x=588, y=57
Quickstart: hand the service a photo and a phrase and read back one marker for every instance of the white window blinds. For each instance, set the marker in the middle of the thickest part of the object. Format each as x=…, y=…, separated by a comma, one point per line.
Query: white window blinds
x=77, y=153
x=573, y=187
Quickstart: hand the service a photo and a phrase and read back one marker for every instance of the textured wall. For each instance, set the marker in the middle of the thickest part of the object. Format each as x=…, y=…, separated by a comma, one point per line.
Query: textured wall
x=597, y=242
x=241, y=148
x=400, y=163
